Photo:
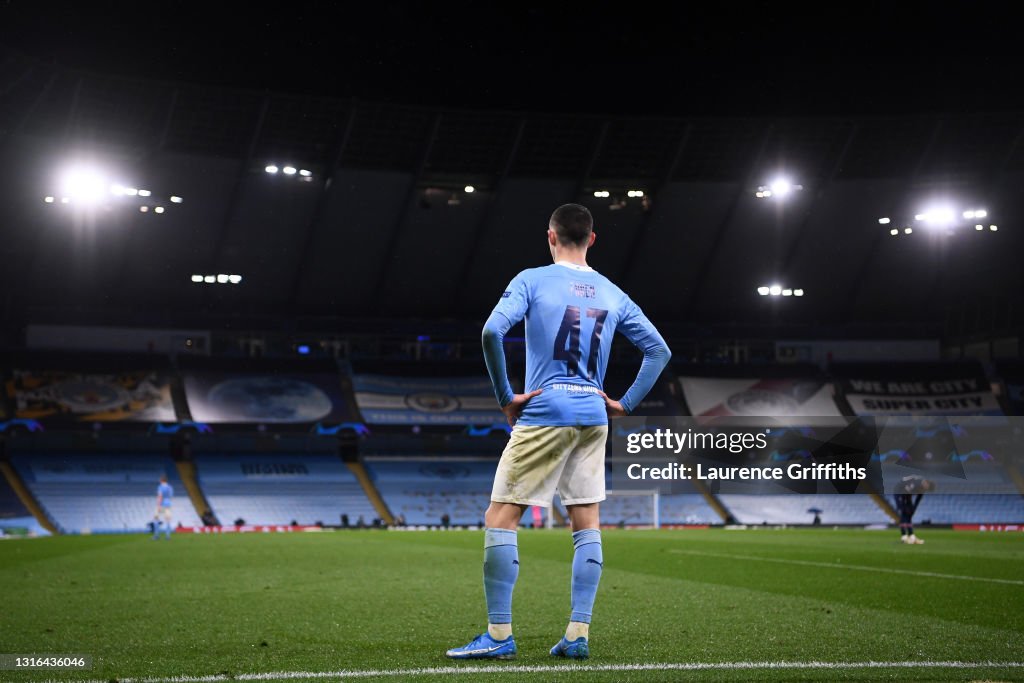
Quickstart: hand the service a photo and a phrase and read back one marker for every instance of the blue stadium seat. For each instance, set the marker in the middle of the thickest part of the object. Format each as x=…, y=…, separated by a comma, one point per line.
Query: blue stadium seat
x=102, y=494
x=279, y=489
x=423, y=490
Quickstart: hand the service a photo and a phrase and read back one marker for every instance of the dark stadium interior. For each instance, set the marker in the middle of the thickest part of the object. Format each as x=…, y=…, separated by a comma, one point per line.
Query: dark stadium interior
x=247, y=252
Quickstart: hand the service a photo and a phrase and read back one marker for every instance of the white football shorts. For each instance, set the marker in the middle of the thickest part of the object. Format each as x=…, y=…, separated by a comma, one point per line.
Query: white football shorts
x=539, y=460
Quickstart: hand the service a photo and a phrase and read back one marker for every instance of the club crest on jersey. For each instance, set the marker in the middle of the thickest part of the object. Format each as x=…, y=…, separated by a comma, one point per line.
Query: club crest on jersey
x=582, y=290
x=506, y=294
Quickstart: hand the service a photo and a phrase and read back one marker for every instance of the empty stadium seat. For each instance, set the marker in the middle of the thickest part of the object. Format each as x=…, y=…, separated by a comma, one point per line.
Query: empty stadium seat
x=424, y=490
x=102, y=494
x=279, y=489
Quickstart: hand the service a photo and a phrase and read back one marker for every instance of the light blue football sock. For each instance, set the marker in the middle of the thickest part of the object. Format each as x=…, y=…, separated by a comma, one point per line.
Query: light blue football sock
x=587, y=563
x=156, y=529
x=501, y=569
x=168, y=530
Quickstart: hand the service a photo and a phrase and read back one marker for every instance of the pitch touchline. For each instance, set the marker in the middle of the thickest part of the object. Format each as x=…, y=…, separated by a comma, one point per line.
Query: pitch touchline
x=498, y=668
x=861, y=567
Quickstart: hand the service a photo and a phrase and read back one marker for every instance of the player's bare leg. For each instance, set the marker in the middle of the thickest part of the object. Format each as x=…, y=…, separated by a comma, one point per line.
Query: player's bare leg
x=503, y=515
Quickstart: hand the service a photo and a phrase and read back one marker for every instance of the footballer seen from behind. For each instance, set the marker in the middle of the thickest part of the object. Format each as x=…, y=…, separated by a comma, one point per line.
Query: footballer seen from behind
x=164, y=494
x=560, y=423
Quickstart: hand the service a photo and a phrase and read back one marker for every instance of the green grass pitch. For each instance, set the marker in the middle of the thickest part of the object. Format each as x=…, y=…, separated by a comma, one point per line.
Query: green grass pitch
x=368, y=601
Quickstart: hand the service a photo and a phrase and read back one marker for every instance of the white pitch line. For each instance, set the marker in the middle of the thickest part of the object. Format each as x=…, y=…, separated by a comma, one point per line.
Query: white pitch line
x=499, y=668
x=860, y=567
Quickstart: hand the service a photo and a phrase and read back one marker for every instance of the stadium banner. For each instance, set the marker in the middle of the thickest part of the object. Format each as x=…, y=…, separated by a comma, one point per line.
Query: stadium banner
x=758, y=397
x=279, y=397
x=130, y=396
x=988, y=527
x=386, y=400
x=815, y=455
x=957, y=396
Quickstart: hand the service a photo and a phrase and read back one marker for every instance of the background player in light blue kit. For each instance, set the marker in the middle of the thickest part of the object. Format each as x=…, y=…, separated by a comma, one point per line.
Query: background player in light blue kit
x=560, y=423
x=164, y=494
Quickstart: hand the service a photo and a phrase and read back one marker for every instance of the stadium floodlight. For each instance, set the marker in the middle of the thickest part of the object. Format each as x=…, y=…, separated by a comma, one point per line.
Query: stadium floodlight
x=289, y=170
x=175, y=199
x=270, y=168
x=210, y=279
x=937, y=215
x=64, y=200
x=144, y=193
x=763, y=291
x=159, y=209
x=883, y=221
x=798, y=292
x=305, y=173
x=117, y=190
x=979, y=226
x=908, y=230
x=787, y=292
x=143, y=209
x=234, y=279
x=84, y=185
x=894, y=232
x=222, y=278
x=197, y=278
x=993, y=228
x=635, y=193
x=969, y=214
x=602, y=194
x=130, y=191
x=775, y=290
x=980, y=213
x=781, y=187
x=48, y=199
x=469, y=189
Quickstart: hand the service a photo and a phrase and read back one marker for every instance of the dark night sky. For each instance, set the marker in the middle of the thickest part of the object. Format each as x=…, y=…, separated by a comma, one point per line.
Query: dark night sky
x=742, y=58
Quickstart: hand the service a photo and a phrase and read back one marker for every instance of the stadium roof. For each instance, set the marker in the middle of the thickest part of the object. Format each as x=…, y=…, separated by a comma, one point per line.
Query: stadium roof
x=747, y=58
x=384, y=227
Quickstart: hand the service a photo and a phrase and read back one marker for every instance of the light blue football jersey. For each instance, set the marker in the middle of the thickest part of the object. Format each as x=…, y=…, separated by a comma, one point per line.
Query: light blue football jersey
x=166, y=492
x=571, y=315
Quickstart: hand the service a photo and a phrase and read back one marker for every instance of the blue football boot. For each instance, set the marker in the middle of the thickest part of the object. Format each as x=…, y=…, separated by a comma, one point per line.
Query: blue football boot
x=577, y=649
x=485, y=647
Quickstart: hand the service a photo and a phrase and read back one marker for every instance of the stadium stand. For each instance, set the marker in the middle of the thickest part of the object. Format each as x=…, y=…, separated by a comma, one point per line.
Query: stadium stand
x=14, y=516
x=282, y=488
x=793, y=509
x=423, y=490
x=101, y=494
x=970, y=508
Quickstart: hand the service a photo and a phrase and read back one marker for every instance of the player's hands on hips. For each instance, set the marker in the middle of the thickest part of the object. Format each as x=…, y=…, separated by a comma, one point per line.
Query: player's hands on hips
x=514, y=408
x=614, y=408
